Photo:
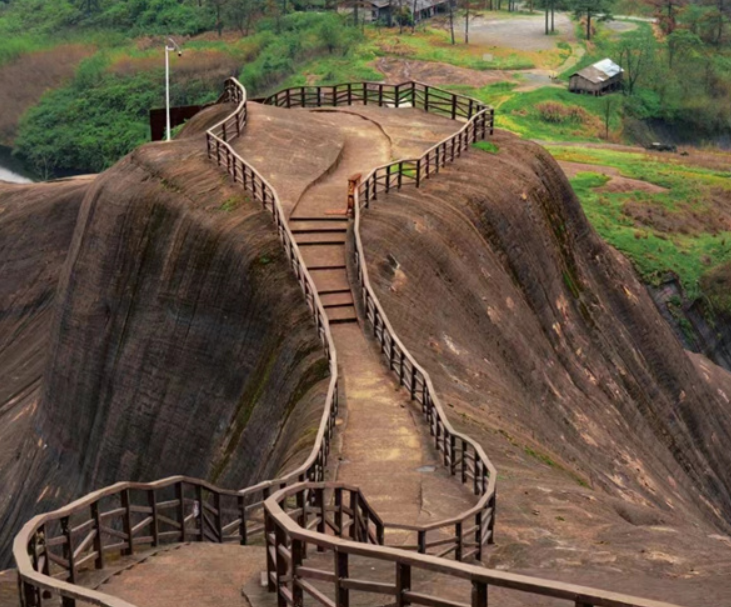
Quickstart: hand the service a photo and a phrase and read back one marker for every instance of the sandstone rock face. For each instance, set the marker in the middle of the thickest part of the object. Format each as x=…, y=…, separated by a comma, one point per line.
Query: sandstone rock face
x=180, y=342
x=612, y=445
x=36, y=227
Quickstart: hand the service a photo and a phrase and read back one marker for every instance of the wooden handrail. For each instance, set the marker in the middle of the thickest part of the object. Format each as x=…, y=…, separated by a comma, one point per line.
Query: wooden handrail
x=479, y=123
x=34, y=574
x=480, y=577
x=195, y=518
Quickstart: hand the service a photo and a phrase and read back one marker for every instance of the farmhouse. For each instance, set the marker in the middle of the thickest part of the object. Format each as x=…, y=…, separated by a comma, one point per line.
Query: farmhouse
x=603, y=77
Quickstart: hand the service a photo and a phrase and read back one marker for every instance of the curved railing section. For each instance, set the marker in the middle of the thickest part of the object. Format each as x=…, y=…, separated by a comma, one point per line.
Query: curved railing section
x=219, y=148
x=479, y=118
x=289, y=536
x=54, y=545
x=53, y=550
x=463, y=536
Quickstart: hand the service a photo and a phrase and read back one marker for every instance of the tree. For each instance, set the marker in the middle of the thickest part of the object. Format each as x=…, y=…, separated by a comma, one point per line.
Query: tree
x=466, y=21
x=550, y=6
x=601, y=10
x=240, y=13
x=666, y=12
x=218, y=7
x=636, y=53
x=330, y=35
x=608, y=105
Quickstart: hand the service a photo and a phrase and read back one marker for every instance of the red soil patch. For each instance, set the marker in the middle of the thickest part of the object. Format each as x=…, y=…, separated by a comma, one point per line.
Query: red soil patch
x=29, y=76
x=401, y=70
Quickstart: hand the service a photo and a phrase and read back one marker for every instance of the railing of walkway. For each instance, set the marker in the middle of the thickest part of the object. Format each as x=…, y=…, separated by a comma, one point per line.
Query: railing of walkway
x=479, y=117
x=463, y=536
x=58, y=544
x=218, y=140
x=52, y=549
x=355, y=564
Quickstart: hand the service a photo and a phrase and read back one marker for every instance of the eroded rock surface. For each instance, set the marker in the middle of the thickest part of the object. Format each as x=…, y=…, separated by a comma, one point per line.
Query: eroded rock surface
x=611, y=444
x=180, y=342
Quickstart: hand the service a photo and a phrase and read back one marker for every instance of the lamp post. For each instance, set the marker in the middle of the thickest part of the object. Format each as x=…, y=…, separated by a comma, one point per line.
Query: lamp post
x=170, y=46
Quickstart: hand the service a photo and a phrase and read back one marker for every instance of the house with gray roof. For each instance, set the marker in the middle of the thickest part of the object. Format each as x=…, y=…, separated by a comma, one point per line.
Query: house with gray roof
x=603, y=77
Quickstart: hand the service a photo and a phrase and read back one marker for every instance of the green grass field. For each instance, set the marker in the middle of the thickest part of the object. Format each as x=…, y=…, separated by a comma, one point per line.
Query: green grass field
x=675, y=230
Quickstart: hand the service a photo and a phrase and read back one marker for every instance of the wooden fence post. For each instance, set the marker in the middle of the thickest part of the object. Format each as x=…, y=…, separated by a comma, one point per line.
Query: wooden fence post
x=218, y=521
x=271, y=550
x=282, y=565
x=298, y=552
x=320, y=504
x=180, y=496
x=342, y=595
x=68, y=548
x=355, y=526
x=422, y=542
x=339, y=511
x=458, y=538
x=127, y=523
x=152, y=502
x=201, y=520
x=403, y=584
x=242, y=524
x=479, y=594
x=98, y=543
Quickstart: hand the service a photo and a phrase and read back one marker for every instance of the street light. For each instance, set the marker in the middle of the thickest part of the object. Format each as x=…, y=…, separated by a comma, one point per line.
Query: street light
x=170, y=46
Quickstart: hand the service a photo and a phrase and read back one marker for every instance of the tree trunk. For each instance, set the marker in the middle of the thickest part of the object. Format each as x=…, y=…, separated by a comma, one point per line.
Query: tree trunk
x=467, y=22
x=451, y=20
x=588, y=24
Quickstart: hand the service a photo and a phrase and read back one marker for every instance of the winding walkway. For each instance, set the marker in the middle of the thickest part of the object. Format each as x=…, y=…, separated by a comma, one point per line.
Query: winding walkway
x=384, y=445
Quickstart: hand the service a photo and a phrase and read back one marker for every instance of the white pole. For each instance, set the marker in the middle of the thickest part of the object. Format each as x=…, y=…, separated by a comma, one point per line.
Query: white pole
x=167, y=89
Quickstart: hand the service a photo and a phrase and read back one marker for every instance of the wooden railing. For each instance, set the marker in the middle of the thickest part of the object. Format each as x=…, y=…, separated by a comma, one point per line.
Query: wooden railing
x=53, y=549
x=36, y=573
x=461, y=537
x=479, y=117
x=330, y=509
x=286, y=536
x=218, y=140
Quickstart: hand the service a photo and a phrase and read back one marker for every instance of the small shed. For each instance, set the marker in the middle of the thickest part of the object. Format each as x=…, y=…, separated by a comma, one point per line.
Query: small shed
x=603, y=77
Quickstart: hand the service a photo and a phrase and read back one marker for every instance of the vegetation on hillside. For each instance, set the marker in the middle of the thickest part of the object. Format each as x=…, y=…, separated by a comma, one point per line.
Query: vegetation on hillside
x=684, y=228
x=102, y=113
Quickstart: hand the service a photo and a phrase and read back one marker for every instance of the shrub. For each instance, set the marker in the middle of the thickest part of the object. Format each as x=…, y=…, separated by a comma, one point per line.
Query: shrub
x=558, y=113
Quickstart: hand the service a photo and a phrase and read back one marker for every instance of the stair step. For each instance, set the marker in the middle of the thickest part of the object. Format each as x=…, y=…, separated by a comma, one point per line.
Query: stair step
x=342, y=314
x=330, y=281
x=334, y=300
x=321, y=218
x=320, y=225
x=312, y=238
x=324, y=256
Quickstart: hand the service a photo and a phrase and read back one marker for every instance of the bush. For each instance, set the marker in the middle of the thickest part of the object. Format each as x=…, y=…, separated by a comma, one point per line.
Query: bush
x=558, y=113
